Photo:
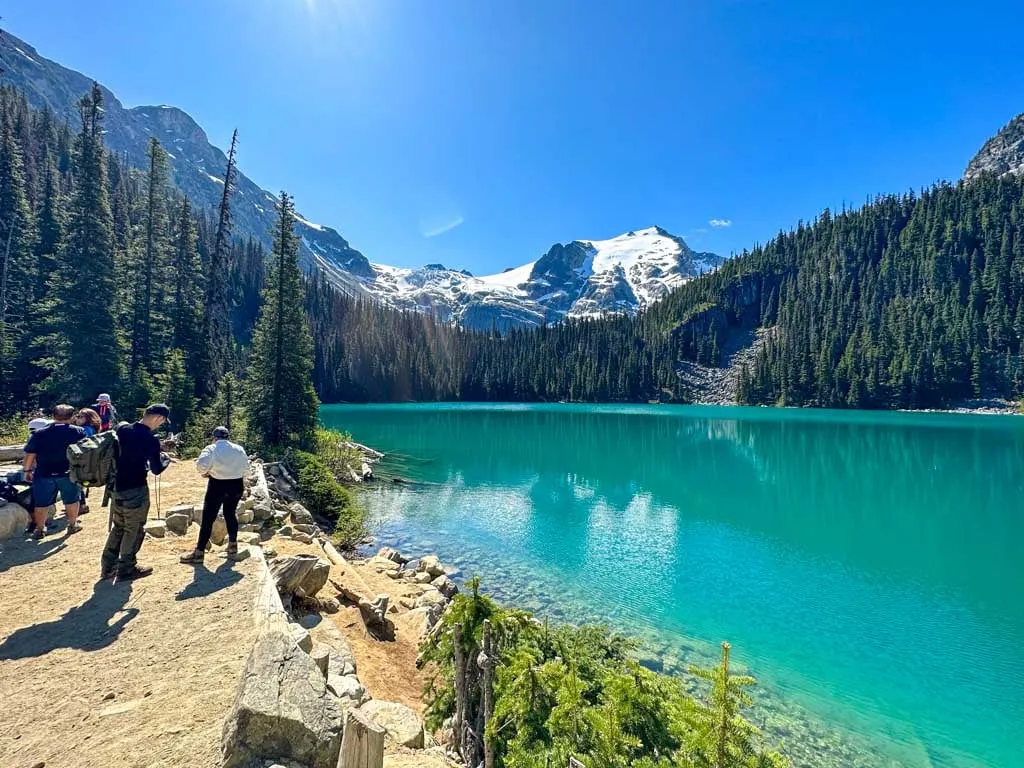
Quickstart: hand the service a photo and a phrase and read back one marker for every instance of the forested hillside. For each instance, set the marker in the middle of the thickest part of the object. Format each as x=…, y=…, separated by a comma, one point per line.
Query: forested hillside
x=910, y=301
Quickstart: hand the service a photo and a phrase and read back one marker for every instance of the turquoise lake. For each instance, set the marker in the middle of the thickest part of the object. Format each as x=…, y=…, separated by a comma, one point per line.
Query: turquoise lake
x=868, y=568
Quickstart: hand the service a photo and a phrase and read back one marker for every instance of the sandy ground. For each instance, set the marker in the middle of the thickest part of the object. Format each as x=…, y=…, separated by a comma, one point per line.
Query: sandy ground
x=140, y=674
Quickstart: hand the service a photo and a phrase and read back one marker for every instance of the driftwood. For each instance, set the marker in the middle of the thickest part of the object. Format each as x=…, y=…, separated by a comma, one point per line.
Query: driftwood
x=12, y=452
x=362, y=745
x=290, y=572
x=374, y=608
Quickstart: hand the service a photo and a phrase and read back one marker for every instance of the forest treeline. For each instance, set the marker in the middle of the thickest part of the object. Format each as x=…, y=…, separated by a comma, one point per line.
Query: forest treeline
x=113, y=282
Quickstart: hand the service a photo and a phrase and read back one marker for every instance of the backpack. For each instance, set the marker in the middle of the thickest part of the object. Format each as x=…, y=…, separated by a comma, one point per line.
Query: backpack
x=93, y=460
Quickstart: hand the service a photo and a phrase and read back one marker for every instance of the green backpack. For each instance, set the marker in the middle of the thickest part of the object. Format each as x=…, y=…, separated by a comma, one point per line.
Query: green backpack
x=93, y=460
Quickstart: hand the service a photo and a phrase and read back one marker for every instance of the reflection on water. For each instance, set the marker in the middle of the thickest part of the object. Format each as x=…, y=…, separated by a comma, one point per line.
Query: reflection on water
x=863, y=563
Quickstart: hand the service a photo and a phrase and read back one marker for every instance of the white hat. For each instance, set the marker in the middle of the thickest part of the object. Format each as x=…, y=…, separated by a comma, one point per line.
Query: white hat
x=104, y=398
x=36, y=424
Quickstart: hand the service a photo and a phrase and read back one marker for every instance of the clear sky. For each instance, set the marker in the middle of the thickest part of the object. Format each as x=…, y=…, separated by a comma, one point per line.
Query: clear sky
x=478, y=132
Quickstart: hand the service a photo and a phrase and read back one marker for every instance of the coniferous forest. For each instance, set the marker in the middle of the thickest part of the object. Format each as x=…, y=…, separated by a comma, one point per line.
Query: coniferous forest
x=113, y=281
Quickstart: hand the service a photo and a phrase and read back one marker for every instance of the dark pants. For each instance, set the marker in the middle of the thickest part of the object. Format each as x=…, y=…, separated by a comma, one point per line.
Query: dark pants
x=128, y=513
x=226, y=493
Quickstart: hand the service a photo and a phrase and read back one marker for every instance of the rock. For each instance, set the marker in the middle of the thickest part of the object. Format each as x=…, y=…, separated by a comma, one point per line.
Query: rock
x=245, y=515
x=430, y=564
x=374, y=612
x=179, y=523
x=342, y=661
x=300, y=514
x=309, y=621
x=219, y=533
x=393, y=574
x=312, y=530
x=243, y=554
x=156, y=528
x=419, y=621
x=249, y=539
x=321, y=654
x=13, y=520
x=407, y=602
x=283, y=708
x=316, y=578
x=286, y=530
x=289, y=572
x=347, y=688
x=422, y=577
x=302, y=538
x=302, y=637
x=430, y=598
x=262, y=510
x=390, y=553
x=189, y=510
x=445, y=586
x=250, y=528
x=269, y=552
x=402, y=725
x=248, y=504
x=330, y=604
x=366, y=471
x=382, y=564
x=273, y=470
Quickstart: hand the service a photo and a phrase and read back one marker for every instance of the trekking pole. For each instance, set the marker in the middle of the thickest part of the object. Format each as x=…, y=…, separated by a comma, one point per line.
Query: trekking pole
x=158, y=497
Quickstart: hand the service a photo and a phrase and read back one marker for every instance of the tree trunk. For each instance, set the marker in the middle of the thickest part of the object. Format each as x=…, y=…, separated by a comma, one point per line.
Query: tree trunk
x=362, y=745
x=488, y=669
x=458, y=725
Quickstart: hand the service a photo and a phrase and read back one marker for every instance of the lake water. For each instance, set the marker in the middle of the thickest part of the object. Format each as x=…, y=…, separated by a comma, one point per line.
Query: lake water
x=868, y=568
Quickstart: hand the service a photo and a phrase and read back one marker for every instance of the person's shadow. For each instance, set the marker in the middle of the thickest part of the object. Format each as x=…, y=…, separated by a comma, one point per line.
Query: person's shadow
x=86, y=627
x=206, y=582
x=15, y=553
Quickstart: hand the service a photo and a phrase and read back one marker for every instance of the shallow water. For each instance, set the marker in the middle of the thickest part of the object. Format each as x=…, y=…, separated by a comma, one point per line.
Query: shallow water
x=867, y=567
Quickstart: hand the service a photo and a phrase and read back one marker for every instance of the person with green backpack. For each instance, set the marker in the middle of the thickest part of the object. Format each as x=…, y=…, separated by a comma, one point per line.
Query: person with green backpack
x=138, y=453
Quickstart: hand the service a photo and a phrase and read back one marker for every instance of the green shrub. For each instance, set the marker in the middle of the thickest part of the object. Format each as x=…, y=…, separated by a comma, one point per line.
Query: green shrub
x=332, y=447
x=13, y=430
x=324, y=496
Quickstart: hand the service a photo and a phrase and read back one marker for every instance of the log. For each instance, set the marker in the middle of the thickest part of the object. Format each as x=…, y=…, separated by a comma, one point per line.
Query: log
x=12, y=452
x=260, y=489
x=353, y=586
x=487, y=662
x=362, y=745
x=290, y=572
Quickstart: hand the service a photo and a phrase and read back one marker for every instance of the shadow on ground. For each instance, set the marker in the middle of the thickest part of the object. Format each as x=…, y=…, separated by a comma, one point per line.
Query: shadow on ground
x=14, y=553
x=86, y=627
x=206, y=582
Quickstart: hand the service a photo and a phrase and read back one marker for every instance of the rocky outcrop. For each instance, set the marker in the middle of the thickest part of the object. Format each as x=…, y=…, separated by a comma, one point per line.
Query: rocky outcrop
x=283, y=708
x=1002, y=155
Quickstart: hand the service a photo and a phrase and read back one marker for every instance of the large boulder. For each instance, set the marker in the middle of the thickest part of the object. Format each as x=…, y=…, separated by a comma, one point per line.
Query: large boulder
x=382, y=564
x=445, y=586
x=179, y=522
x=401, y=724
x=263, y=509
x=249, y=539
x=156, y=528
x=13, y=520
x=189, y=510
x=283, y=709
x=219, y=532
x=302, y=575
x=300, y=514
x=245, y=515
x=430, y=564
x=393, y=554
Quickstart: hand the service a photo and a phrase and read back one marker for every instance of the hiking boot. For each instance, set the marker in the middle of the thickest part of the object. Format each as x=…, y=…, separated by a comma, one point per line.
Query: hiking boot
x=195, y=557
x=74, y=527
x=232, y=550
x=37, y=535
x=139, y=572
x=83, y=509
x=106, y=575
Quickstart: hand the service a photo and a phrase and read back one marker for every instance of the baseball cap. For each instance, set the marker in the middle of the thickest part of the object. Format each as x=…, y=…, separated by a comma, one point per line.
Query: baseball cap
x=221, y=432
x=37, y=424
x=104, y=398
x=159, y=409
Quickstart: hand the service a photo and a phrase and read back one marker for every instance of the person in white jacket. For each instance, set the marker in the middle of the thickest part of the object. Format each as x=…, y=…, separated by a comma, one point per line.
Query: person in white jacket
x=225, y=464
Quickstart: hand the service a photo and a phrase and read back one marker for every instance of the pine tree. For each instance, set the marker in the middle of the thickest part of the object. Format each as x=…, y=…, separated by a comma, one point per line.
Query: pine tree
x=186, y=274
x=279, y=395
x=86, y=359
x=177, y=388
x=215, y=349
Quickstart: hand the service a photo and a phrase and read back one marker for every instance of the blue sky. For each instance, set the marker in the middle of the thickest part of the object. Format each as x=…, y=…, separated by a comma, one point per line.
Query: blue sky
x=477, y=133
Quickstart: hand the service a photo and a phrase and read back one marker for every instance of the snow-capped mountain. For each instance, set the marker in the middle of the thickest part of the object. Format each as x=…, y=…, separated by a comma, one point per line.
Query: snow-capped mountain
x=584, y=278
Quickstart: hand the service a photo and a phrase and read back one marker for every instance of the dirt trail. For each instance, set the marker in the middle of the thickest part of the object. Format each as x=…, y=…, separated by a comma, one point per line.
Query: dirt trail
x=140, y=674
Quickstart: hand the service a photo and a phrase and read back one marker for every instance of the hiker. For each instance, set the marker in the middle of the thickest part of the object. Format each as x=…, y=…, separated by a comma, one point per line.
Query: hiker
x=138, y=453
x=18, y=478
x=225, y=464
x=46, y=467
x=89, y=420
x=106, y=411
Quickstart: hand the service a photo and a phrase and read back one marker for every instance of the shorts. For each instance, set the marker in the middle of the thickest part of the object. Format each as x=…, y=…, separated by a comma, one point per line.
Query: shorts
x=45, y=490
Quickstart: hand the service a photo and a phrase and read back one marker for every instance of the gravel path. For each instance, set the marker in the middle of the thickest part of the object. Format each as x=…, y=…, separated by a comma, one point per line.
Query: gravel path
x=140, y=674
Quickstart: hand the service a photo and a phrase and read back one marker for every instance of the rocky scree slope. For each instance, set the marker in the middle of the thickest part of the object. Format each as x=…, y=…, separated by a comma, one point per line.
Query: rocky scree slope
x=1003, y=154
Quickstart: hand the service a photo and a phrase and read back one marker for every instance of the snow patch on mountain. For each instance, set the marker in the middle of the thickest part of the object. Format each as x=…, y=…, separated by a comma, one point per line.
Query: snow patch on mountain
x=584, y=278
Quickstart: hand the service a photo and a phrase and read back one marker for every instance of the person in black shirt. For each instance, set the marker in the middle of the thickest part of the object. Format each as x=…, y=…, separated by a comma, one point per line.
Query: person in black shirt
x=46, y=467
x=138, y=453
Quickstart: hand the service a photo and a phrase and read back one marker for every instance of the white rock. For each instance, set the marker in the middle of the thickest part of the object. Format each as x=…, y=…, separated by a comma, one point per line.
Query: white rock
x=178, y=523
x=445, y=586
x=13, y=520
x=401, y=723
x=245, y=516
x=249, y=539
x=347, y=687
x=302, y=638
x=430, y=564
x=423, y=578
x=156, y=528
x=219, y=533
x=382, y=564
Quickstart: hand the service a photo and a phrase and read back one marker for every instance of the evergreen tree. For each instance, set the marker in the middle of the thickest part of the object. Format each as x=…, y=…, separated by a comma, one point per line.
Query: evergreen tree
x=215, y=348
x=279, y=395
x=186, y=273
x=177, y=388
x=86, y=359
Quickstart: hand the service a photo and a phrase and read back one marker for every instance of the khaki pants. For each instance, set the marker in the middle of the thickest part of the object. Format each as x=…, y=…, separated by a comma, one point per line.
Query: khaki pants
x=129, y=511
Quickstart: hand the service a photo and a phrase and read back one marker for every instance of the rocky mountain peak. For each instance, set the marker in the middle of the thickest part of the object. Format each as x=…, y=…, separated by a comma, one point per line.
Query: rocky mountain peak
x=1003, y=154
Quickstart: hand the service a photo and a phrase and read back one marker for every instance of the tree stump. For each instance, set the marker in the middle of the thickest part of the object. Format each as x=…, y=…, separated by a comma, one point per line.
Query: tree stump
x=362, y=744
x=290, y=572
